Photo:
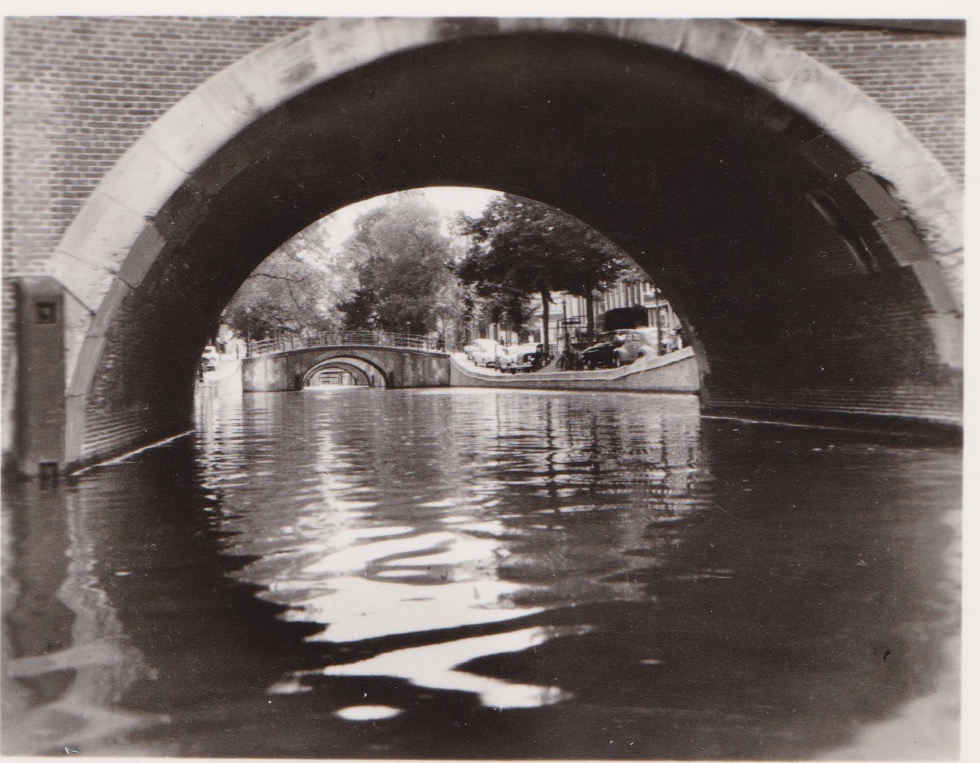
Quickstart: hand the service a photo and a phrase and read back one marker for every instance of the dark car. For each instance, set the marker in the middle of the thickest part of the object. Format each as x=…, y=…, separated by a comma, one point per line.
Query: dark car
x=602, y=354
x=527, y=361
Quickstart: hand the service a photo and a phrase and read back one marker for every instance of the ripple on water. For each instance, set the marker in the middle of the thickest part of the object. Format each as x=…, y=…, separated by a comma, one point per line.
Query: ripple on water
x=368, y=712
x=436, y=666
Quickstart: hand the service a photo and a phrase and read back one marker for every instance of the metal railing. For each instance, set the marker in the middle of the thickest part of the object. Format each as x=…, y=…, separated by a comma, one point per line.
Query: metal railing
x=340, y=338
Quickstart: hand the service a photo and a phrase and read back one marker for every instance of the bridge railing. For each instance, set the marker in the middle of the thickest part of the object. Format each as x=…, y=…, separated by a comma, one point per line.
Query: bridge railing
x=335, y=338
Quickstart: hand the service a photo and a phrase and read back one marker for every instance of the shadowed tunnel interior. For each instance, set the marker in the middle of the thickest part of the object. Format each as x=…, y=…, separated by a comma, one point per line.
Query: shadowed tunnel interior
x=751, y=220
x=362, y=371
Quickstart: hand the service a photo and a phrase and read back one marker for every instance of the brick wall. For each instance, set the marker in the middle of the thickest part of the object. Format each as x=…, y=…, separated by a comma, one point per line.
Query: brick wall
x=919, y=76
x=80, y=91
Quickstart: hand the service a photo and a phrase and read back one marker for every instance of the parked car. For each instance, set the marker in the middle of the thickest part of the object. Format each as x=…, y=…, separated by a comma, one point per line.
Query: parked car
x=636, y=343
x=602, y=353
x=519, y=357
x=484, y=352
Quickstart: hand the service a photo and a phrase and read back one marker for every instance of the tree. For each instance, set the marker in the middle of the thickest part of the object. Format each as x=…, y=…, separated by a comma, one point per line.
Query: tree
x=403, y=269
x=595, y=265
x=511, y=309
x=525, y=247
x=288, y=293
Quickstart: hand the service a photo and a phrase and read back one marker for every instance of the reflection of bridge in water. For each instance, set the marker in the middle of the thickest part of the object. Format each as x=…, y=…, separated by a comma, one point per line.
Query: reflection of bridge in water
x=372, y=358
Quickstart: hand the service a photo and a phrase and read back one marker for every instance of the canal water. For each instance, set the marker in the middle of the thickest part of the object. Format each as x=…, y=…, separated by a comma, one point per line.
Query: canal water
x=462, y=573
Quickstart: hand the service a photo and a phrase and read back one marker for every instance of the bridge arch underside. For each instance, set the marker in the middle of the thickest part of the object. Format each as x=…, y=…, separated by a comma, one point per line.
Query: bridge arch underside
x=363, y=372
x=802, y=285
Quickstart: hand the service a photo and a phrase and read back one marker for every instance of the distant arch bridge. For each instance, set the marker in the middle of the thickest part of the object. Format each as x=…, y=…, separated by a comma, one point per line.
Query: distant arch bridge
x=377, y=359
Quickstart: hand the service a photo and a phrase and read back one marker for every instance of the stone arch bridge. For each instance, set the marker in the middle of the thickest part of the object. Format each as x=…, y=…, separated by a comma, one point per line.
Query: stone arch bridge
x=794, y=187
x=389, y=367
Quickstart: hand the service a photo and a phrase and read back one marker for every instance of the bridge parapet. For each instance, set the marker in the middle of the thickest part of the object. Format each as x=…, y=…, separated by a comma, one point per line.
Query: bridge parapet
x=390, y=339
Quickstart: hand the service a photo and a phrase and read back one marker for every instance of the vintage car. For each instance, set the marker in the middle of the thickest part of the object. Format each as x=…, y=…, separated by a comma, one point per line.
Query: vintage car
x=602, y=353
x=520, y=357
x=484, y=352
x=620, y=347
x=636, y=343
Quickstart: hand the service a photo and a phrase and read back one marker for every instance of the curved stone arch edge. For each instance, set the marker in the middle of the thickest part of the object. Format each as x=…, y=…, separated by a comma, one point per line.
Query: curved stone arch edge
x=95, y=260
x=351, y=361
x=340, y=365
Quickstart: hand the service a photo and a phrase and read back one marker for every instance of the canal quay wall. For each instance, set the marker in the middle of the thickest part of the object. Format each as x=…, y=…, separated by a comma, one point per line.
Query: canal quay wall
x=151, y=163
x=383, y=367
x=225, y=380
x=676, y=372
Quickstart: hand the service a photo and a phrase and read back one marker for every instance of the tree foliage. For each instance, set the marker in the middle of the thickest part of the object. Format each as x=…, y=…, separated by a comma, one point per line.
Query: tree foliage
x=520, y=247
x=403, y=268
x=289, y=293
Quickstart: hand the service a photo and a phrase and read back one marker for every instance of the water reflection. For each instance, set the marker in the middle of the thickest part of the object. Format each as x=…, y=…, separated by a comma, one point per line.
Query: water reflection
x=437, y=667
x=492, y=574
x=79, y=682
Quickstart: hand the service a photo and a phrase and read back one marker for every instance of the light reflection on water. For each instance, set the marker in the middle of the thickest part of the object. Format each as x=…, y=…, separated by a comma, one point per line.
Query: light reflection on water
x=364, y=580
x=412, y=555
x=436, y=667
x=532, y=574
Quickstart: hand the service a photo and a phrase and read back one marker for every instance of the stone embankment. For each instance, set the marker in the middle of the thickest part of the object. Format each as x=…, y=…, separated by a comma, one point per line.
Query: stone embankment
x=225, y=379
x=674, y=372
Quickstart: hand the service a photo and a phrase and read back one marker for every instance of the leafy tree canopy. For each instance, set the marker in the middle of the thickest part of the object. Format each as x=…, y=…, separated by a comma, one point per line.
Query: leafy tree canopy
x=525, y=247
x=403, y=268
x=291, y=292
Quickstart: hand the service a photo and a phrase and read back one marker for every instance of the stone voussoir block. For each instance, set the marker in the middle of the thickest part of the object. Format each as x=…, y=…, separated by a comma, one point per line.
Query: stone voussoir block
x=715, y=41
x=141, y=257
x=405, y=33
x=880, y=203
x=764, y=63
x=231, y=103
x=260, y=75
x=518, y=25
x=934, y=283
x=942, y=215
x=290, y=64
x=103, y=232
x=87, y=281
x=901, y=239
x=190, y=132
x=660, y=33
x=819, y=93
x=74, y=427
x=78, y=321
x=88, y=358
x=142, y=179
x=876, y=139
x=609, y=27
x=341, y=44
x=118, y=291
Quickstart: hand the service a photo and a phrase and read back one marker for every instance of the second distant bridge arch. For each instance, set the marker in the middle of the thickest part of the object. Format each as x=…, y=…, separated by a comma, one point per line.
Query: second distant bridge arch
x=365, y=372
